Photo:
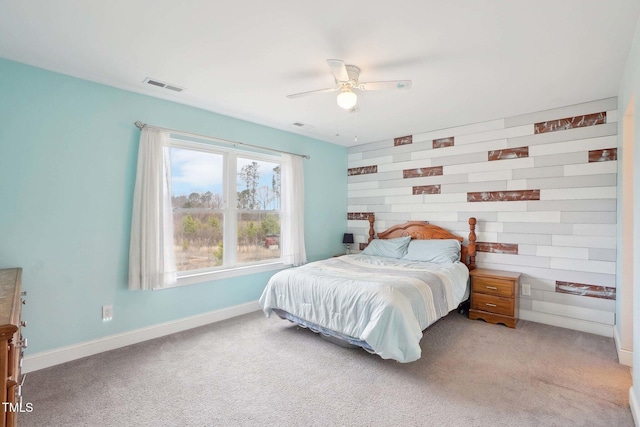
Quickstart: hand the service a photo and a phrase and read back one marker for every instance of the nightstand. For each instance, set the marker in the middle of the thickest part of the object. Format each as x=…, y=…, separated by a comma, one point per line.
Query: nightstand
x=494, y=296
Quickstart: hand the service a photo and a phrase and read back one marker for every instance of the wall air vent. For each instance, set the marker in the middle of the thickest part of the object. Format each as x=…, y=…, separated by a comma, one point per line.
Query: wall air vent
x=156, y=82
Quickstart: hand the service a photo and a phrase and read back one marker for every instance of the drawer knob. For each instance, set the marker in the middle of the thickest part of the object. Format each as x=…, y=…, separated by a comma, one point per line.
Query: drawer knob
x=22, y=343
x=23, y=323
x=23, y=293
x=23, y=301
x=492, y=288
x=489, y=304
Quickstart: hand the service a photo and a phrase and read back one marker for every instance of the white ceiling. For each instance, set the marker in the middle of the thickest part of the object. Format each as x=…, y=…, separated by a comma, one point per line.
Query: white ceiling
x=469, y=60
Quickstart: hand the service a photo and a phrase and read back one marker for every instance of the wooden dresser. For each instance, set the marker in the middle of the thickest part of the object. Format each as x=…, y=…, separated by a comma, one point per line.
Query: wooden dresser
x=494, y=296
x=11, y=300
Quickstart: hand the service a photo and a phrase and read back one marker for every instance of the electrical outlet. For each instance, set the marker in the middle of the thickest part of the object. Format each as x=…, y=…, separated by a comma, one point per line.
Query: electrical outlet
x=107, y=312
x=526, y=289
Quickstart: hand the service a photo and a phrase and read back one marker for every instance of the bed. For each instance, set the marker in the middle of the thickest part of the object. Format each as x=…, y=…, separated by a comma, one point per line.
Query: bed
x=383, y=298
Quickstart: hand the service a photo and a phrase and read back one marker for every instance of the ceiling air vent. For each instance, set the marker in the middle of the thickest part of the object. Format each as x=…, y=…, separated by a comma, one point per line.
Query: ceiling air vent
x=158, y=83
x=302, y=125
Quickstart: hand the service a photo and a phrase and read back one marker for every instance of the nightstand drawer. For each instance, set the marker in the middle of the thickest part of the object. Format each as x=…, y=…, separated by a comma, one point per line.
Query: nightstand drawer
x=493, y=286
x=493, y=304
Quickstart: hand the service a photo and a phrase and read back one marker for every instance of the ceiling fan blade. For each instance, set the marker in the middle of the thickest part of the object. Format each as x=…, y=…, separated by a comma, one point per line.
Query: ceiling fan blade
x=395, y=84
x=338, y=69
x=311, y=92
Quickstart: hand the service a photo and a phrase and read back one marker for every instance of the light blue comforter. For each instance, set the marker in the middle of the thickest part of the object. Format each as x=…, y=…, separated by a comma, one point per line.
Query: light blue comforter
x=383, y=301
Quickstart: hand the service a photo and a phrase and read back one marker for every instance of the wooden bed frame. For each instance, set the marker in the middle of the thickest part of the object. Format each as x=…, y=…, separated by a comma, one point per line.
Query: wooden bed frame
x=425, y=231
x=417, y=230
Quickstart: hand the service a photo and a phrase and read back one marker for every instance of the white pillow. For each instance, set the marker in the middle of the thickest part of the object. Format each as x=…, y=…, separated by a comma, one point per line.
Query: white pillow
x=390, y=248
x=437, y=251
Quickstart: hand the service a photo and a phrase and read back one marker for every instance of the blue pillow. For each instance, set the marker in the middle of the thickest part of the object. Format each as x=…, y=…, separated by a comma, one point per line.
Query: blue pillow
x=390, y=248
x=437, y=251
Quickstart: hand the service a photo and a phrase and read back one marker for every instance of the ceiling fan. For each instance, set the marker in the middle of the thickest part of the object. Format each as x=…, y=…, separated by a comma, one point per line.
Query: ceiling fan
x=346, y=77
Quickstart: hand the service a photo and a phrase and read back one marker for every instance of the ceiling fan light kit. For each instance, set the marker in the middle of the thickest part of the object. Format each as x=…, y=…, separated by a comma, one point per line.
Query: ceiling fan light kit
x=347, y=99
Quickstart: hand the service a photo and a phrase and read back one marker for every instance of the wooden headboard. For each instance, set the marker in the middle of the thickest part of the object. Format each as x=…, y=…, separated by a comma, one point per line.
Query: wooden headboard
x=425, y=231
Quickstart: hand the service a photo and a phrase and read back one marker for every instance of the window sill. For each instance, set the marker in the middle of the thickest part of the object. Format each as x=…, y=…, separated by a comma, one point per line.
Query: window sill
x=209, y=276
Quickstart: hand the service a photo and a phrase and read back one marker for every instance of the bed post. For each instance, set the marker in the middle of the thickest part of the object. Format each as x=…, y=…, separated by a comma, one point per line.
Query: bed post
x=472, y=243
x=372, y=219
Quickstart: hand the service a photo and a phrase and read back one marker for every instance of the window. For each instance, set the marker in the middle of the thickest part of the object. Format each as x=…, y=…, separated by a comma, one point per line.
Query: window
x=207, y=211
x=226, y=207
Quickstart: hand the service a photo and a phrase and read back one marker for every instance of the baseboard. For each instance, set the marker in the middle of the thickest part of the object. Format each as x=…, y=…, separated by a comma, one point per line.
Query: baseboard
x=635, y=409
x=66, y=354
x=625, y=357
x=567, y=322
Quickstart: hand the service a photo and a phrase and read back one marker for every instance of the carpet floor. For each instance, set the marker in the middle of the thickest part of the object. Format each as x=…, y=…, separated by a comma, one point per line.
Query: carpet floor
x=251, y=370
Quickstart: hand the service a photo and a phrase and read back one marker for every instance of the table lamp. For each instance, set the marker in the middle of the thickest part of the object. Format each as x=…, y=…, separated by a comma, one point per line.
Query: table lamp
x=348, y=239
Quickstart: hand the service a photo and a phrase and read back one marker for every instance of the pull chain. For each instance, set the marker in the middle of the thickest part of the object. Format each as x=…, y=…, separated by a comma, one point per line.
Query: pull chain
x=355, y=124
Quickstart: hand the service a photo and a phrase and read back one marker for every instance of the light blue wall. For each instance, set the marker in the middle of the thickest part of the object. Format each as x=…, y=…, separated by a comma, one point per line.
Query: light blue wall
x=68, y=152
x=630, y=89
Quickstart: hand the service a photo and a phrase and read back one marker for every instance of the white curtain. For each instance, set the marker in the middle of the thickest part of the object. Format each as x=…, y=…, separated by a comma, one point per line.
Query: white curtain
x=151, y=253
x=292, y=199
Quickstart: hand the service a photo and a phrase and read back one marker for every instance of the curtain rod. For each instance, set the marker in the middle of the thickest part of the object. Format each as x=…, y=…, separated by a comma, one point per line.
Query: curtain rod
x=141, y=125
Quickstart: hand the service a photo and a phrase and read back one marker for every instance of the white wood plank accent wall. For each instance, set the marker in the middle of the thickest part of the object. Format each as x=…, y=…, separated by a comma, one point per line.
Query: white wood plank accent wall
x=542, y=187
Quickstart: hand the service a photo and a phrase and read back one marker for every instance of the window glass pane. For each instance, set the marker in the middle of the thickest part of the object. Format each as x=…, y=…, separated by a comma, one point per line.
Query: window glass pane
x=258, y=185
x=196, y=179
x=258, y=236
x=258, y=202
x=197, y=201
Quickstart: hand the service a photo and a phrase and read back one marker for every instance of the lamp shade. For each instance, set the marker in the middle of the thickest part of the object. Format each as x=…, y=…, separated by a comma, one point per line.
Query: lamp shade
x=347, y=238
